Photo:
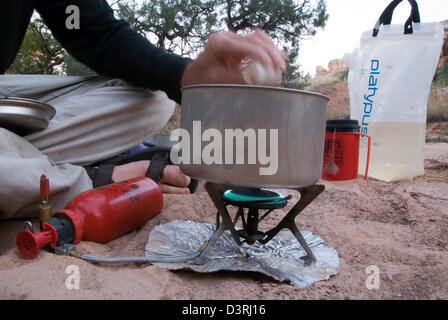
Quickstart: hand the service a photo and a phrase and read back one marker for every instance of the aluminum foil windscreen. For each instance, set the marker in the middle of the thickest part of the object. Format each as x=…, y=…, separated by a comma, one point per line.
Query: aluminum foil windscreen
x=279, y=258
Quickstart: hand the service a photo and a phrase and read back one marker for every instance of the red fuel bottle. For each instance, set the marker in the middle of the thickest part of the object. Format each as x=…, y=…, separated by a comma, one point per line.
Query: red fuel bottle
x=97, y=215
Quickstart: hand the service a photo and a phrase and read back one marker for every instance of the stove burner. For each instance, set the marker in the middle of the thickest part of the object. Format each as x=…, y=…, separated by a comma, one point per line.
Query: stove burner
x=250, y=203
x=255, y=198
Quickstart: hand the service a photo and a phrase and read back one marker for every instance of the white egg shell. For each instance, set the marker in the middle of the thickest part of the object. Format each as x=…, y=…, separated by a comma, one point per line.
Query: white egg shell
x=257, y=74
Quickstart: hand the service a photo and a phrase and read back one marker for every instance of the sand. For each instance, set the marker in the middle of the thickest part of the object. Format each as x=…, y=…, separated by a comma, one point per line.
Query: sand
x=399, y=227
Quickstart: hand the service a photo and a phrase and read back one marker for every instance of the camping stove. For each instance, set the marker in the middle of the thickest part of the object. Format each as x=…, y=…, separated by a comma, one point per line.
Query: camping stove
x=253, y=205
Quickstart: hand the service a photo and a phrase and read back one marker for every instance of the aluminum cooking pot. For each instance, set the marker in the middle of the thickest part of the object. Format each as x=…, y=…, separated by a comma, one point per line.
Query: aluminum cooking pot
x=252, y=136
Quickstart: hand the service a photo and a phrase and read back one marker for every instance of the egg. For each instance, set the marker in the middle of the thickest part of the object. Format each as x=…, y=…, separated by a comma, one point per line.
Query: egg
x=257, y=74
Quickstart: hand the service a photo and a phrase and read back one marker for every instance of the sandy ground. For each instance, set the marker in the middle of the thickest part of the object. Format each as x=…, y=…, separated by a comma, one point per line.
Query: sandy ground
x=402, y=228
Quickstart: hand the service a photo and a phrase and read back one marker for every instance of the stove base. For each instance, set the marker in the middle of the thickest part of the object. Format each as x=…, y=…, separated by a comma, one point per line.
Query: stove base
x=250, y=233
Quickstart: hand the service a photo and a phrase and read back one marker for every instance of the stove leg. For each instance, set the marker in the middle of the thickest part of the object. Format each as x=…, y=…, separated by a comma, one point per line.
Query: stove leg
x=208, y=245
x=216, y=192
x=307, y=195
x=309, y=258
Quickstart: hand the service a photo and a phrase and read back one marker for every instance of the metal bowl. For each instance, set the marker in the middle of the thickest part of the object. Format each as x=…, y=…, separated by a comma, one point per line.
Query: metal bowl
x=298, y=116
x=24, y=116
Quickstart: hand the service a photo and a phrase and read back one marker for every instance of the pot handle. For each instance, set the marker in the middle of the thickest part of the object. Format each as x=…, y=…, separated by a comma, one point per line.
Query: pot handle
x=368, y=153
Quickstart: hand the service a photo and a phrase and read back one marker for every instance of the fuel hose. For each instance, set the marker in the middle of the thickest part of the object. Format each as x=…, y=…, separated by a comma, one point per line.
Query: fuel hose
x=142, y=259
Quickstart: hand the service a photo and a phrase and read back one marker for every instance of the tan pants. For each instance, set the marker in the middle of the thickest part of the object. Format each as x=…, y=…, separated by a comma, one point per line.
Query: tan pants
x=96, y=118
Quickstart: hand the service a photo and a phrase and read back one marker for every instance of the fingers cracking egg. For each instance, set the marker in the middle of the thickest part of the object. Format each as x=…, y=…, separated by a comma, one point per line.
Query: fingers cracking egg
x=255, y=73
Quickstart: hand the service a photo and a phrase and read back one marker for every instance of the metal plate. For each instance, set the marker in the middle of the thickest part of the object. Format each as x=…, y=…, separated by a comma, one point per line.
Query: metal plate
x=24, y=116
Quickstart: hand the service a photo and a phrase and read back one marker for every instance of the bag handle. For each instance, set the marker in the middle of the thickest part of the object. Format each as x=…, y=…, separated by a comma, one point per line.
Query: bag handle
x=386, y=17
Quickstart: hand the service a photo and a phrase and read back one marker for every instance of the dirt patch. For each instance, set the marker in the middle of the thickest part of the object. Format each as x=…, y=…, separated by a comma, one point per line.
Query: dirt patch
x=437, y=131
x=399, y=227
x=339, y=104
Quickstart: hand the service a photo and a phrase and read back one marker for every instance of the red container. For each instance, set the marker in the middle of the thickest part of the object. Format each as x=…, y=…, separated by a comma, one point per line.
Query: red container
x=341, y=154
x=97, y=215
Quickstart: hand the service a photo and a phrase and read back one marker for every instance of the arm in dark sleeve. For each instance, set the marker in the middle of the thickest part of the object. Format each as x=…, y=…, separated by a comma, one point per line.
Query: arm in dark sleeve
x=110, y=47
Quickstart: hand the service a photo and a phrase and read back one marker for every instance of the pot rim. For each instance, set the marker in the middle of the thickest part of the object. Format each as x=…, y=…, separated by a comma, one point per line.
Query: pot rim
x=246, y=86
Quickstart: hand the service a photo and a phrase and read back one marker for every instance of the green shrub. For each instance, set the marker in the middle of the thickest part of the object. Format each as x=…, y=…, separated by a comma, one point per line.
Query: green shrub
x=441, y=78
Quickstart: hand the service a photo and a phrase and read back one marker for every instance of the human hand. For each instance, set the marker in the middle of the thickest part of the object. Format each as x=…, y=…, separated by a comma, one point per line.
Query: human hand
x=173, y=181
x=220, y=62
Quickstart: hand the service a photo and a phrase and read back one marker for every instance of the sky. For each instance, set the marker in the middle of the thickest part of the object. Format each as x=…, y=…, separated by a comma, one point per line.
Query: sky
x=349, y=19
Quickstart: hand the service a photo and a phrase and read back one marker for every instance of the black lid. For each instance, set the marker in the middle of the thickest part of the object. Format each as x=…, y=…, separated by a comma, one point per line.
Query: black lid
x=343, y=125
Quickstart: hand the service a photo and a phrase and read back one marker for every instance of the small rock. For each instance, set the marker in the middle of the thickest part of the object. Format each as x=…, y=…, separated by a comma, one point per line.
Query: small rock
x=399, y=295
x=389, y=277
